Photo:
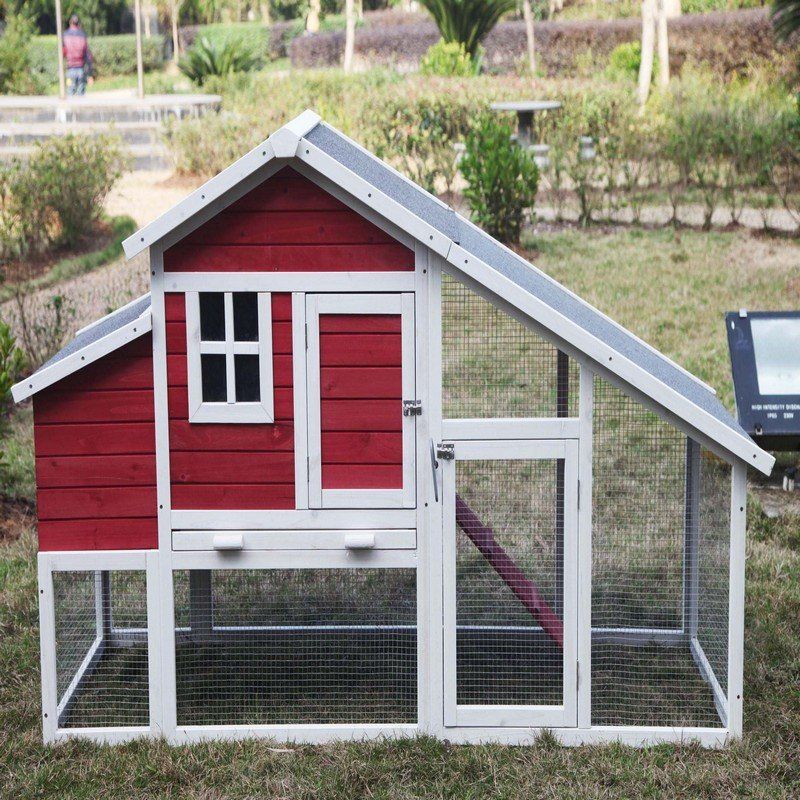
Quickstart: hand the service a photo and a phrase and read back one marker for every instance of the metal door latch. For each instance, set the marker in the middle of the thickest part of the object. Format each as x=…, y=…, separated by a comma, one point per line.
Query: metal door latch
x=412, y=408
x=446, y=452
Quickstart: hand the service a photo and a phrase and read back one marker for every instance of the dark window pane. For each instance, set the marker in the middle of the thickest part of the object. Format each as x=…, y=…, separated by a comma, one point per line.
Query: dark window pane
x=245, y=317
x=212, y=316
x=247, y=383
x=214, y=381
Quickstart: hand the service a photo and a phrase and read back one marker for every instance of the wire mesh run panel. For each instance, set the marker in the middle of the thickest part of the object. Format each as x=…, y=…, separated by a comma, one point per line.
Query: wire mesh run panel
x=493, y=366
x=101, y=645
x=509, y=544
x=660, y=571
x=296, y=646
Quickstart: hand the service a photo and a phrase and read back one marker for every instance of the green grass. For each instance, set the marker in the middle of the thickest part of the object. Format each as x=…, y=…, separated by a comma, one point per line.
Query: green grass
x=670, y=289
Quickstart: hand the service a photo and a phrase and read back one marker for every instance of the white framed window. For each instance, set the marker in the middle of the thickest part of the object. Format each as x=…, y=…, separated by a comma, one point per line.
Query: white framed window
x=229, y=357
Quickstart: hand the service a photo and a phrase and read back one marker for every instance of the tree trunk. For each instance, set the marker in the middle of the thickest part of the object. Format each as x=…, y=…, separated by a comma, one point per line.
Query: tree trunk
x=176, y=42
x=312, y=20
x=673, y=8
x=360, y=10
x=349, y=34
x=527, y=12
x=266, y=16
x=648, y=49
x=663, y=44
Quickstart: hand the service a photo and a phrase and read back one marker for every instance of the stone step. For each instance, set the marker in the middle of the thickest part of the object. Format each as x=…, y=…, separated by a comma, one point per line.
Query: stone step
x=116, y=107
x=143, y=156
x=25, y=133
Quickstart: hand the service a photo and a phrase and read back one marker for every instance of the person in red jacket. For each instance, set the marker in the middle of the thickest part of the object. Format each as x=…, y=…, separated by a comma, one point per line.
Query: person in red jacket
x=77, y=56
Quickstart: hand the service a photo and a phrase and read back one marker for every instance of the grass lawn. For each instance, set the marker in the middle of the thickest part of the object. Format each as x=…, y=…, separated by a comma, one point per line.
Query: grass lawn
x=671, y=289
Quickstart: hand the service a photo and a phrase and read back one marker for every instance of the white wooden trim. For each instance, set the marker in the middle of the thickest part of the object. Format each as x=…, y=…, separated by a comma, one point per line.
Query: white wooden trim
x=401, y=281
x=88, y=663
x=91, y=560
x=295, y=734
x=312, y=519
x=103, y=735
x=359, y=303
x=294, y=559
x=47, y=648
x=200, y=411
x=211, y=197
x=502, y=715
x=154, y=642
x=163, y=640
x=586, y=417
x=736, y=598
x=300, y=399
x=511, y=428
x=81, y=358
x=384, y=539
x=604, y=354
x=286, y=139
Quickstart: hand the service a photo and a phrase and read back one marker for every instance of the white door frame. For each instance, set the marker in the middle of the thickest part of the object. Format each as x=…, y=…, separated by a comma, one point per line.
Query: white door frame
x=396, y=303
x=551, y=716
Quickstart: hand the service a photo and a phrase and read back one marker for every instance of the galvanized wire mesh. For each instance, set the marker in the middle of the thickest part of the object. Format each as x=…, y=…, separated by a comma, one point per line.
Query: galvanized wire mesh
x=101, y=648
x=644, y=668
x=713, y=561
x=296, y=646
x=503, y=656
x=493, y=366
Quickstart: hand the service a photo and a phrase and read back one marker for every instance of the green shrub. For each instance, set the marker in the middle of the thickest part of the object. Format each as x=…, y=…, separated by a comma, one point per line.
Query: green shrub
x=16, y=76
x=113, y=55
x=55, y=197
x=467, y=21
x=12, y=362
x=501, y=177
x=205, y=59
x=625, y=60
x=449, y=60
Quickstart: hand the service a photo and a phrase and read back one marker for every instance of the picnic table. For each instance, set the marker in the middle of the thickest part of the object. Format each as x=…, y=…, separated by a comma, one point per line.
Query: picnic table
x=525, y=109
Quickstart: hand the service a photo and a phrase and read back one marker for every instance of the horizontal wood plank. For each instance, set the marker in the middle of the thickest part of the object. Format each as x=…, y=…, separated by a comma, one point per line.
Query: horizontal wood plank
x=364, y=349
x=232, y=496
x=360, y=323
x=97, y=503
x=125, y=405
x=288, y=227
x=362, y=476
x=95, y=470
x=359, y=447
x=361, y=383
x=232, y=467
x=95, y=439
x=362, y=415
x=287, y=190
x=221, y=437
x=110, y=372
x=289, y=258
x=98, y=534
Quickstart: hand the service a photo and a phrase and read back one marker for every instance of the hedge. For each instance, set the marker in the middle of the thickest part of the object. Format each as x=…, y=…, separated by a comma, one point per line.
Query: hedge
x=726, y=41
x=113, y=55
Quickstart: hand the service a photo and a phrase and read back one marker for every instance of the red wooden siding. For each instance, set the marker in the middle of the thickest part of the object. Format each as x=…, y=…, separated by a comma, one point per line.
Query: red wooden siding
x=361, y=394
x=231, y=466
x=95, y=455
x=288, y=223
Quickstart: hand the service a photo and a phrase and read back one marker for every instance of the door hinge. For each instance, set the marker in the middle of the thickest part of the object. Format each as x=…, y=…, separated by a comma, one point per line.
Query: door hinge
x=412, y=408
x=445, y=452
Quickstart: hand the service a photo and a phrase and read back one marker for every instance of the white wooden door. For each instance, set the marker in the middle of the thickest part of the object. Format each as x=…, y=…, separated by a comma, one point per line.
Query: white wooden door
x=360, y=374
x=510, y=583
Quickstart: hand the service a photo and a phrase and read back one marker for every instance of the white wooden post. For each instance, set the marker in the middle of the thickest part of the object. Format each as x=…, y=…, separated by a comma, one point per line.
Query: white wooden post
x=586, y=416
x=736, y=598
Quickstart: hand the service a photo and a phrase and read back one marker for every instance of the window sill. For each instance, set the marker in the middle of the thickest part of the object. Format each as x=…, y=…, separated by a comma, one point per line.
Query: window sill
x=239, y=413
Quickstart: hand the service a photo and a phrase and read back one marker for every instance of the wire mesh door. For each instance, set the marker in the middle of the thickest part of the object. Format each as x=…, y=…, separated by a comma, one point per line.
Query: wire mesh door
x=510, y=583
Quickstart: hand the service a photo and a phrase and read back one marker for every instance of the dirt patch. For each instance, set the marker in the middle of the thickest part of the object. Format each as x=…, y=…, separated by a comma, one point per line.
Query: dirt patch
x=15, y=516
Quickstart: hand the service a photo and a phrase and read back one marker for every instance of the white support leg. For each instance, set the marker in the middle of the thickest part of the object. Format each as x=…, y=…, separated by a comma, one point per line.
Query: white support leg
x=736, y=598
x=586, y=414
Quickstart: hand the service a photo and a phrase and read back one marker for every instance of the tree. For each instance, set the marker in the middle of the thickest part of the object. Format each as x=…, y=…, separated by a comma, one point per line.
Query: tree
x=654, y=28
x=663, y=43
x=527, y=13
x=349, y=34
x=785, y=18
x=467, y=21
x=312, y=20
